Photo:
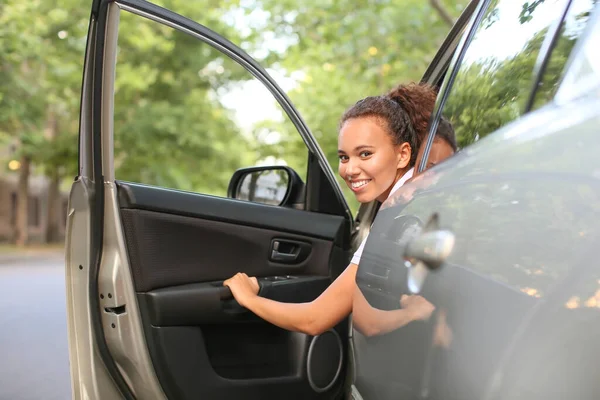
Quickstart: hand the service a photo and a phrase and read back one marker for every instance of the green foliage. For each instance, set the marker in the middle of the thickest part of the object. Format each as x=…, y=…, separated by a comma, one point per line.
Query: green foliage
x=41, y=50
x=342, y=52
x=165, y=109
x=171, y=127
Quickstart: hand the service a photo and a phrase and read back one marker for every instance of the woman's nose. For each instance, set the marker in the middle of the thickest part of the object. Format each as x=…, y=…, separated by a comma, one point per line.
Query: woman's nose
x=351, y=169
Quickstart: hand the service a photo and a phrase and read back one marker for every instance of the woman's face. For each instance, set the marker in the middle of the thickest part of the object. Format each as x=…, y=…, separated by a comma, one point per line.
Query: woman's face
x=370, y=162
x=440, y=150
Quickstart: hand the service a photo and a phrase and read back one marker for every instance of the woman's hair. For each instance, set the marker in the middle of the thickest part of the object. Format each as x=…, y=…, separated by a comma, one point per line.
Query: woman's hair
x=445, y=131
x=404, y=113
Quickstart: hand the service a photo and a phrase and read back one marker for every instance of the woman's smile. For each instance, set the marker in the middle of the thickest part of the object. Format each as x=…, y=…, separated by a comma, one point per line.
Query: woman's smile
x=358, y=185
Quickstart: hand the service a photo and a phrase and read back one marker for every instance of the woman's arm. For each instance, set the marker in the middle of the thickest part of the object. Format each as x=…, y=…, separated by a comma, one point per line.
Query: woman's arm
x=312, y=318
x=372, y=321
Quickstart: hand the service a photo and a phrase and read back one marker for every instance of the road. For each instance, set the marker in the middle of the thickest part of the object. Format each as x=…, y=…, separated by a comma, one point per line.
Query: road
x=34, y=358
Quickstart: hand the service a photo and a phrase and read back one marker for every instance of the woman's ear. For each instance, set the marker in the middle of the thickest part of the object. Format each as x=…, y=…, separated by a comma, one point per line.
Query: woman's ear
x=403, y=153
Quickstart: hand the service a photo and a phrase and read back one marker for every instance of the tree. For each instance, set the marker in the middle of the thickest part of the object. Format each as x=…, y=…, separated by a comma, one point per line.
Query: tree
x=41, y=62
x=171, y=126
x=339, y=53
x=167, y=109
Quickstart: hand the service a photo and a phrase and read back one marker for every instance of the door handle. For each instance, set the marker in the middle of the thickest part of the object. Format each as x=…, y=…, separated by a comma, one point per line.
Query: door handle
x=289, y=251
x=285, y=257
x=431, y=248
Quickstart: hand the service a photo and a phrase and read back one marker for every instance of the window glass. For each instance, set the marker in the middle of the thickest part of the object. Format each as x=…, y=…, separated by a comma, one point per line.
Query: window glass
x=583, y=75
x=495, y=77
x=187, y=117
x=571, y=29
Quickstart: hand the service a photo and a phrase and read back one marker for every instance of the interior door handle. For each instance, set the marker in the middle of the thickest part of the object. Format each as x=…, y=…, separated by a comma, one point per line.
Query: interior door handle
x=278, y=256
x=289, y=251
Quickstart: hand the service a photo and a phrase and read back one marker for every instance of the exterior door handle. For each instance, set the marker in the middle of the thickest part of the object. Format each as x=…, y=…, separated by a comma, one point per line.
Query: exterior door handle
x=428, y=251
x=431, y=248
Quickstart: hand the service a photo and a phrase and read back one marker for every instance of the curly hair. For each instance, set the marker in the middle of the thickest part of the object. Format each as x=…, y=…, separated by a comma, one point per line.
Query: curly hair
x=403, y=112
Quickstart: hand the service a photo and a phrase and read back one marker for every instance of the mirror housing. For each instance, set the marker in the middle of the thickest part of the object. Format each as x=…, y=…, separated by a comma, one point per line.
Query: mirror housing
x=277, y=185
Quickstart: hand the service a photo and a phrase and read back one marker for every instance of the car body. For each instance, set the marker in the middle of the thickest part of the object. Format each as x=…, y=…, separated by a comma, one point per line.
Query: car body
x=516, y=299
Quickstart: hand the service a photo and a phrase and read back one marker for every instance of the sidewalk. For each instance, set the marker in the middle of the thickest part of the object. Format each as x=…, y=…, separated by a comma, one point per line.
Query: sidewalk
x=10, y=253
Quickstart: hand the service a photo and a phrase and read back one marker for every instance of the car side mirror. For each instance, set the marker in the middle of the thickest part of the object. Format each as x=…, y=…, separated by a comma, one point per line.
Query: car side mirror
x=275, y=185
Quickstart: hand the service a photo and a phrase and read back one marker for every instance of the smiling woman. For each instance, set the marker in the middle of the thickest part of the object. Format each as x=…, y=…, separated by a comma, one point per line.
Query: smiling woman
x=376, y=145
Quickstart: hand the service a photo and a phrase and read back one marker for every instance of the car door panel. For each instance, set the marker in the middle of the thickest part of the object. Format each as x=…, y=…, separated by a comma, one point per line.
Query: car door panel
x=181, y=247
x=175, y=237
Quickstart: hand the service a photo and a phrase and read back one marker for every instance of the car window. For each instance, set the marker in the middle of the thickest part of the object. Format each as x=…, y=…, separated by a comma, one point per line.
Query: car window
x=571, y=30
x=583, y=72
x=495, y=77
x=186, y=116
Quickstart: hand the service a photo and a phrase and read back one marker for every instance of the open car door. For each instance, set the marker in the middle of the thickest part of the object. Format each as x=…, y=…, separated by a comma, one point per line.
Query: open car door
x=148, y=315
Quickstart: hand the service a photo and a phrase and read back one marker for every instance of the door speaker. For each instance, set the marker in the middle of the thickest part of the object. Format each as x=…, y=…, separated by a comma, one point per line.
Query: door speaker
x=325, y=360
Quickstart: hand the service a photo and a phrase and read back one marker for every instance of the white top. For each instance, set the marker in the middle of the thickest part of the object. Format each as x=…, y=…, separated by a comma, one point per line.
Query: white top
x=398, y=185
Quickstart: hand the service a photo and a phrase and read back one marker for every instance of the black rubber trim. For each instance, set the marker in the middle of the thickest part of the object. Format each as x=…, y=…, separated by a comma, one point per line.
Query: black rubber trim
x=447, y=86
x=544, y=56
x=455, y=31
x=97, y=225
x=95, y=8
x=151, y=198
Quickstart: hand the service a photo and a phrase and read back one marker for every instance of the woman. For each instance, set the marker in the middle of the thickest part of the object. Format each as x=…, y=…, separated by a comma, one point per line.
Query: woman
x=375, y=147
x=371, y=321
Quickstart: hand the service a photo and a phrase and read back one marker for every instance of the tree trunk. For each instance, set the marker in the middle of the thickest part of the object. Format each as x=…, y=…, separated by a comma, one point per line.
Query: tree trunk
x=52, y=220
x=443, y=13
x=252, y=187
x=52, y=212
x=21, y=222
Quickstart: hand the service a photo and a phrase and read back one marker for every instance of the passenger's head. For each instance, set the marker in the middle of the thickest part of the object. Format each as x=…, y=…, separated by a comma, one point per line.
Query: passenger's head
x=444, y=145
x=378, y=137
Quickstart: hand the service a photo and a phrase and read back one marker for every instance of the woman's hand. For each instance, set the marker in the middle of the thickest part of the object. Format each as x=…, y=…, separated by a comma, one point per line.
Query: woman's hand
x=242, y=287
x=418, y=306
x=442, y=334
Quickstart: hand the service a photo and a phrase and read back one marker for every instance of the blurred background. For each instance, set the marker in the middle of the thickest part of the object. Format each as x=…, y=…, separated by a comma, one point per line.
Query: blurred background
x=185, y=116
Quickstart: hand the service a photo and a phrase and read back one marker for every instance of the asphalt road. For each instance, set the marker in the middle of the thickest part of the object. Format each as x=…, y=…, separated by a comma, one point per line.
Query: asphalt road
x=34, y=358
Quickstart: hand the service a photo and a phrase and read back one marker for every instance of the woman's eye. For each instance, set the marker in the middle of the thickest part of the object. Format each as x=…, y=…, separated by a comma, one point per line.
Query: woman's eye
x=365, y=153
x=343, y=158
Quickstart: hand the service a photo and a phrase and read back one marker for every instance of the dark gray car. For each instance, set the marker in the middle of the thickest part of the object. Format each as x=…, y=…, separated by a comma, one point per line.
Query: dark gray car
x=502, y=238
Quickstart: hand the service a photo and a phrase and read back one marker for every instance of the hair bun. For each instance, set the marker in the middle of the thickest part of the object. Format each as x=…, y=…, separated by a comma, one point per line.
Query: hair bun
x=418, y=100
